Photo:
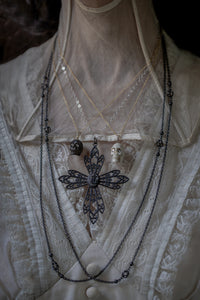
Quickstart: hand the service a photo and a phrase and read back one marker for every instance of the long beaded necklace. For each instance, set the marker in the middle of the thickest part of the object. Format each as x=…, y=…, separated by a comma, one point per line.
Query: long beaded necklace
x=45, y=130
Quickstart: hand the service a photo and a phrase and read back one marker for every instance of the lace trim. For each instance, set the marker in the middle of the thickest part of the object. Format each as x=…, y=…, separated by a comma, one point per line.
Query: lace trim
x=179, y=242
x=21, y=220
x=18, y=223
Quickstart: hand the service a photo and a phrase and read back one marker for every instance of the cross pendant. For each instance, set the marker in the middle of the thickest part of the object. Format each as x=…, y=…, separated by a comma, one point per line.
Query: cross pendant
x=93, y=203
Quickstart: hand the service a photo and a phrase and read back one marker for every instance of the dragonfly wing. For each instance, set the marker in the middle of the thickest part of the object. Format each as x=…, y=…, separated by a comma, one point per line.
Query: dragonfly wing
x=100, y=162
x=87, y=161
x=74, y=180
x=113, y=179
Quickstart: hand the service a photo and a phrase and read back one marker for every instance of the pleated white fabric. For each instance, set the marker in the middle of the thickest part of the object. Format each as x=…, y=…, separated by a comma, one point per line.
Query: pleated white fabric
x=125, y=43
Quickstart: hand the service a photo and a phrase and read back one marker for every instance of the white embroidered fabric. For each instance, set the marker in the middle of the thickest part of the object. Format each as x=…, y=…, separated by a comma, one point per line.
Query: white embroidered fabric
x=167, y=264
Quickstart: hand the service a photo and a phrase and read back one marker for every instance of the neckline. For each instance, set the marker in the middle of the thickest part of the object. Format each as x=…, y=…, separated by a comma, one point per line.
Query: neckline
x=99, y=10
x=25, y=137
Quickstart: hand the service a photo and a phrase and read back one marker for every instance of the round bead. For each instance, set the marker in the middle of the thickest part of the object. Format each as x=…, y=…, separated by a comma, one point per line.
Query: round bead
x=48, y=129
x=159, y=143
x=93, y=180
x=91, y=292
x=125, y=274
x=116, y=280
x=162, y=132
x=55, y=266
x=60, y=275
x=170, y=94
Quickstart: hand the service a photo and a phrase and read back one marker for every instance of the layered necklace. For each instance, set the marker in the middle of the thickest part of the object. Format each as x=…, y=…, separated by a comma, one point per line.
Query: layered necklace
x=93, y=204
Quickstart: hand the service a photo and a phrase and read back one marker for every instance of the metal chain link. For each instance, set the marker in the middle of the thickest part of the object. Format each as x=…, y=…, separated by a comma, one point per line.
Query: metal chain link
x=167, y=92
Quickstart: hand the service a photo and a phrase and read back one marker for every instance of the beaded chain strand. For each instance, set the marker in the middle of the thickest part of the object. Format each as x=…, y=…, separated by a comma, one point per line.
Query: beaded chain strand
x=45, y=130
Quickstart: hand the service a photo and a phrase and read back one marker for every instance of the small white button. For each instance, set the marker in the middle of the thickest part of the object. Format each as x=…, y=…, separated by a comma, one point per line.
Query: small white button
x=93, y=268
x=91, y=292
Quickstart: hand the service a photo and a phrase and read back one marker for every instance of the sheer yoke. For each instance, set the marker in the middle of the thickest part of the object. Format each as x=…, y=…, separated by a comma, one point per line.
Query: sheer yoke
x=106, y=82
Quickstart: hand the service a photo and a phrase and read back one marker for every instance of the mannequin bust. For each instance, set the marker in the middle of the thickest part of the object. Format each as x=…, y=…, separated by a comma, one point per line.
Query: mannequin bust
x=106, y=83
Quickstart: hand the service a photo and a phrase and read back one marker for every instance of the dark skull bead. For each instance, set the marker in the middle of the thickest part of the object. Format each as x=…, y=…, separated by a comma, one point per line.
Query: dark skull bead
x=76, y=147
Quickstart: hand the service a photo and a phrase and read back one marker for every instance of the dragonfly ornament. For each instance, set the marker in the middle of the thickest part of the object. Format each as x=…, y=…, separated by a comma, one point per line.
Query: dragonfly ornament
x=93, y=203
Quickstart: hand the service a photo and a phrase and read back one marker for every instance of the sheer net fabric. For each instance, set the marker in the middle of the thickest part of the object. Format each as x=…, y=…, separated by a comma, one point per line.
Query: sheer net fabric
x=107, y=67
x=119, y=89
x=125, y=87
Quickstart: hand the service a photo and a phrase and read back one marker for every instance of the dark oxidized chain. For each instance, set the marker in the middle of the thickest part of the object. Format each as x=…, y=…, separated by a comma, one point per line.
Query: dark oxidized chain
x=167, y=93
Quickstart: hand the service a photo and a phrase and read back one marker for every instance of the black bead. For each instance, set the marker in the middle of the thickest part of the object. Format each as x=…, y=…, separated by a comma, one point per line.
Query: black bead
x=131, y=264
x=55, y=266
x=170, y=94
x=125, y=274
x=170, y=102
x=169, y=83
x=60, y=275
x=162, y=132
x=47, y=129
x=44, y=86
x=116, y=281
x=95, y=141
x=92, y=277
x=159, y=143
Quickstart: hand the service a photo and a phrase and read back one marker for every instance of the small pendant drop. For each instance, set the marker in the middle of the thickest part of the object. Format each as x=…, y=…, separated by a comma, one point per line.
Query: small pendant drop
x=76, y=147
x=116, y=153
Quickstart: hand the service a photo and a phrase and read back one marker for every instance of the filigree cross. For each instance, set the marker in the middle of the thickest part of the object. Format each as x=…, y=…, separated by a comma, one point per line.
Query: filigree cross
x=93, y=203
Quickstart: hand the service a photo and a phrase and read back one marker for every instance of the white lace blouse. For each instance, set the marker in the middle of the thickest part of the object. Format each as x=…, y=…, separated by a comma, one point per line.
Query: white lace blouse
x=167, y=266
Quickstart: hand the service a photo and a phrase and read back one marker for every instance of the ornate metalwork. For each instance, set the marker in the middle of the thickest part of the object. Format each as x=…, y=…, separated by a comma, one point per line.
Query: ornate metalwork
x=93, y=203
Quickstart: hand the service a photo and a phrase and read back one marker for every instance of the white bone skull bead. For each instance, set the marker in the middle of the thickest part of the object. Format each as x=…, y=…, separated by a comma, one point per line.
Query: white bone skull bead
x=116, y=152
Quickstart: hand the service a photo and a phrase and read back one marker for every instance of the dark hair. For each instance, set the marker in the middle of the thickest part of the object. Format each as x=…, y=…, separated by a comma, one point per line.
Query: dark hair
x=37, y=16
x=26, y=23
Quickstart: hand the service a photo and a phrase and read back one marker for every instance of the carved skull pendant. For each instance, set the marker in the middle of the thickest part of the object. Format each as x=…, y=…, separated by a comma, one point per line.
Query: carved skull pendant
x=116, y=152
x=76, y=147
